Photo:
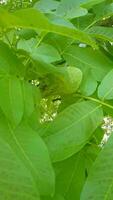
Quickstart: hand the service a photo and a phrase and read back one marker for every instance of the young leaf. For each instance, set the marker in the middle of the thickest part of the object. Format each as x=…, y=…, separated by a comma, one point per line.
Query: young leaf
x=71, y=130
x=99, y=184
x=105, y=90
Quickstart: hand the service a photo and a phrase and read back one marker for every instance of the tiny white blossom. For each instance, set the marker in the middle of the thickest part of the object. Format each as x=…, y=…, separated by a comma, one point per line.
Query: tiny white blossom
x=82, y=45
x=108, y=128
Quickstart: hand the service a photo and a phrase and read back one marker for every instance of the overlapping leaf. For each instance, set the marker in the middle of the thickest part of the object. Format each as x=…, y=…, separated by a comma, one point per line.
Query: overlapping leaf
x=25, y=19
x=16, y=181
x=72, y=129
x=30, y=149
x=94, y=65
x=101, y=32
x=99, y=184
x=105, y=90
x=75, y=170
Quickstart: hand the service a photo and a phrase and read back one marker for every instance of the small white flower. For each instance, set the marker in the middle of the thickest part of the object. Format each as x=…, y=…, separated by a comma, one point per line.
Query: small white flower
x=82, y=45
x=108, y=128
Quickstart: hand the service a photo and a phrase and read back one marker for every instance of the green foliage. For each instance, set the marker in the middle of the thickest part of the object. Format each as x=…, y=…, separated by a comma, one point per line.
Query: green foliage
x=56, y=87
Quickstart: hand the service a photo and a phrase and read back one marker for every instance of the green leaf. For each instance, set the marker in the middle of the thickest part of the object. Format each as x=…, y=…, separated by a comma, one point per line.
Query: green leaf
x=72, y=128
x=71, y=78
x=98, y=63
x=31, y=98
x=92, y=65
x=25, y=19
x=45, y=52
x=70, y=9
x=105, y=90
x=90, y=3
x=16, y=181
x=101, y=32
x=28, y=146
x=11, y=99
x=75, y=170
x=89, y=84
x=103, y=10
x=9, y=63
x=63, y=80
x=46, y=6
x=56, y=197
x=99, y=184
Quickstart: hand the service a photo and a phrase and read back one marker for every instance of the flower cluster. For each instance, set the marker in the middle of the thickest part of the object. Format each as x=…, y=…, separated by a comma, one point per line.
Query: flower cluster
x=107, y=126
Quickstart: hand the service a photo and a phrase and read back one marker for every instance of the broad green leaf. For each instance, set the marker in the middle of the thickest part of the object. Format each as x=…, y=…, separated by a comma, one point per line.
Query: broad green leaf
x=25, y=19
x=45, y=52
x=58, y=41
x=91, y=62
x=90, y=3
x=63, y=80
x=103, y=10
x=31, y=98
x=17, y=98
x=105, y=90
x=26, y=33
x=71, y=79
x=75, y=170
x=46, y=6
x=70, y=9
x=9, y=63
x=28, y=146
x=98, y=63
x=89, y=84
x=101, y=32
x=11, y=99
x=84, y=22
x=59, y=20
x=99, y=184
x=55, y=197
x=72, y=128
x=16, y=181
